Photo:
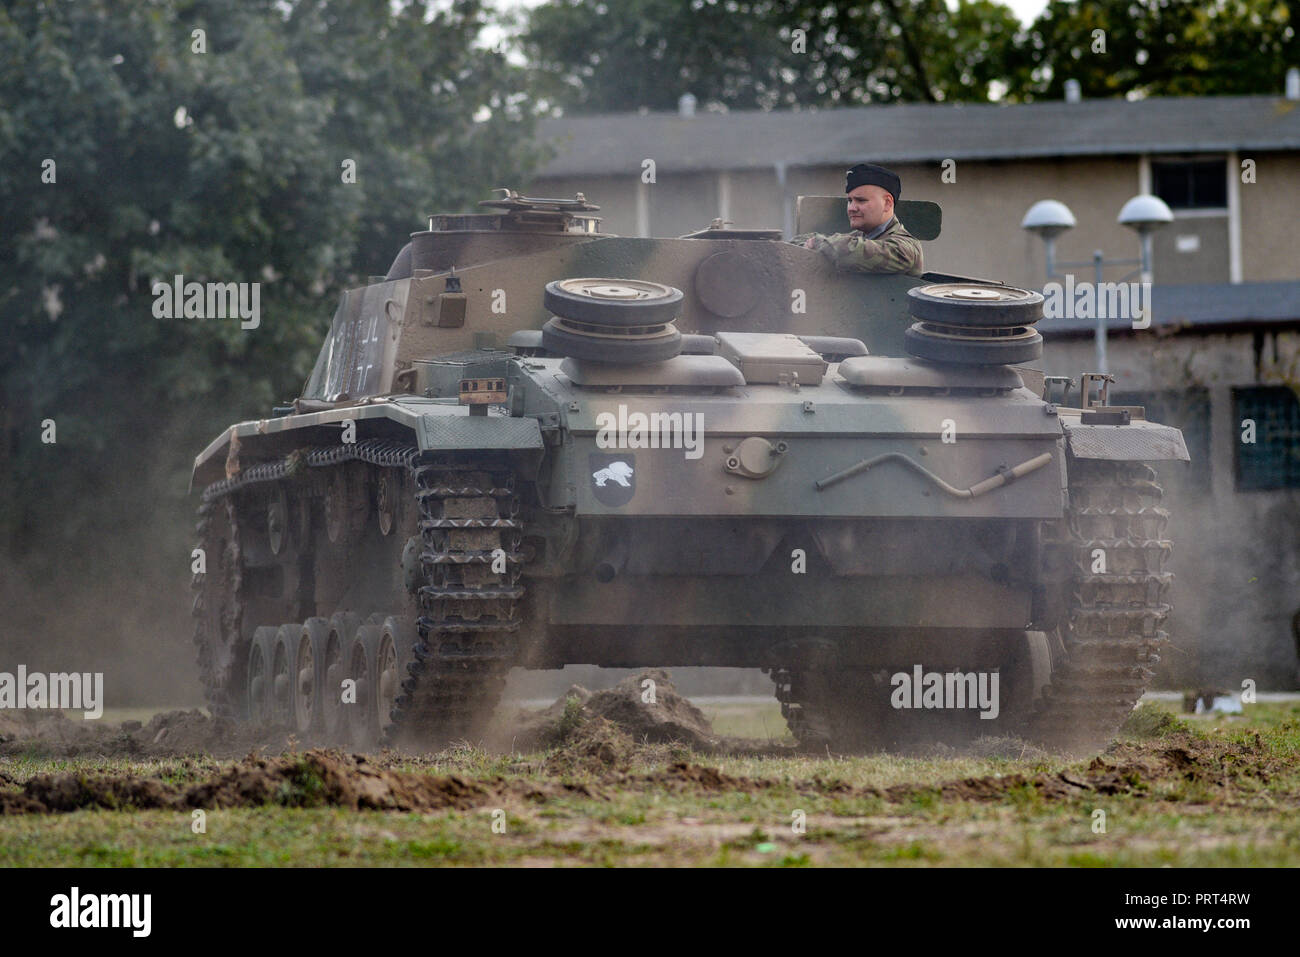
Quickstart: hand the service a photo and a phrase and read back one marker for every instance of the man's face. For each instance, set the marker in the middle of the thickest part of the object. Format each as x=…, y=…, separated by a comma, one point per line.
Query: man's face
x=869, y=206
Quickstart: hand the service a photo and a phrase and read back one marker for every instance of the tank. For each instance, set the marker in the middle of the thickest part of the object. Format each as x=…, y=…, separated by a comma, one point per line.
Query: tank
x=534, y=444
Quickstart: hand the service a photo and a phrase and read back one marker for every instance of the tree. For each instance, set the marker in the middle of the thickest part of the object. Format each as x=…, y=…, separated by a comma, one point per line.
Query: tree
x=598, y=56
x=1158, y=48
x=761, y=54
x=207, y=139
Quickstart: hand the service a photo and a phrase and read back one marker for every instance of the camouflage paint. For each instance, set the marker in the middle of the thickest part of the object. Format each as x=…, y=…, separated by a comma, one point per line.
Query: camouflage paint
x=677, y=560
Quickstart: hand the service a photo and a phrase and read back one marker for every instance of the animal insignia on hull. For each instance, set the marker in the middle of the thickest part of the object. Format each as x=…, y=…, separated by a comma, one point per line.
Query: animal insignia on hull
x=617, y=471
x=613, y=479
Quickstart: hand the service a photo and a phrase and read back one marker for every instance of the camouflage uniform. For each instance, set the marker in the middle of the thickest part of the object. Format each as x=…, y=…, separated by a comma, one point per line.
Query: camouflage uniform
x=896, y=250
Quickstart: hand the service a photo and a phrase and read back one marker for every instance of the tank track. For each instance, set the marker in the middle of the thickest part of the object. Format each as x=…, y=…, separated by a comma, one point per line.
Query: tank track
x=1107, y=643
x=214, y=671
x=470, y=527
x=1112, y=632
x=471, y=565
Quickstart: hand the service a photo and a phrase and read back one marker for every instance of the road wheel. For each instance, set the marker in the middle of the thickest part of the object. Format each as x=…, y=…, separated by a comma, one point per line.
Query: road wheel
x=363, y=715
x=260, y=651
x=975, y=304
x=625, y=348
x=613, y=302
x=338, y=644
x=396, y=639
x=283, y=675
x=927, y=341
x=309, y=673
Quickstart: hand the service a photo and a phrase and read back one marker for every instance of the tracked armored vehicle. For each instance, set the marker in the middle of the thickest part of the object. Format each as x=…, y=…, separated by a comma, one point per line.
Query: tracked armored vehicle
x=533, y=444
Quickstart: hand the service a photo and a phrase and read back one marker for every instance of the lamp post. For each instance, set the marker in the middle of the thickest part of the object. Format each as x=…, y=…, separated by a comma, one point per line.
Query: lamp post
x=1143, y=214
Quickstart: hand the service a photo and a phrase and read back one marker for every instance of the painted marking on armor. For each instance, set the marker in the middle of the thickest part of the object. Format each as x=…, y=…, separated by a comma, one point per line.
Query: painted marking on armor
x=613, y=478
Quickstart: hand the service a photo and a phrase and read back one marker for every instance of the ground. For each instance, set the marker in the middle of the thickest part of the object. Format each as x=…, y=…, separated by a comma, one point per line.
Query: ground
x=609, y=780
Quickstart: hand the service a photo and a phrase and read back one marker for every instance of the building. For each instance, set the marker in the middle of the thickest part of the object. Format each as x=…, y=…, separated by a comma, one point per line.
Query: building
x=1224, y=347
x=748, y=167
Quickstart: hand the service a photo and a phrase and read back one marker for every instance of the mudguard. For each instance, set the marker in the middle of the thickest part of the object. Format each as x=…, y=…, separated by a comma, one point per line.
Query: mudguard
x=431, y=424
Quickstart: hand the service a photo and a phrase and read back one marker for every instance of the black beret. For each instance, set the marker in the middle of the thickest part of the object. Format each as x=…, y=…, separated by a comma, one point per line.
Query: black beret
x=869, y=174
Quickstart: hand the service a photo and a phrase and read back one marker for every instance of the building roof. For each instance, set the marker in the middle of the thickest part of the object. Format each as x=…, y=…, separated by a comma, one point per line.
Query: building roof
x=754, y=139
x=1200, y=307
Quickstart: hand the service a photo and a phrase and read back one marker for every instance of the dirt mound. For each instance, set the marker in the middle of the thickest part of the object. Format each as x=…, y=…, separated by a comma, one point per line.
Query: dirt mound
x=168, y=734
x=644, y=707
x=596, y=746
x=550, y=727
x=710, y=779
x=601, y=733
x=313, y=779
x=653, y=713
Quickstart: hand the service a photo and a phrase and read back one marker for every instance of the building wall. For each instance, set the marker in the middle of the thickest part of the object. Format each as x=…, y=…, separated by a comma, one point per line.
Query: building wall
x=1268, y=218
x=1192, y=249
x=1236, y=554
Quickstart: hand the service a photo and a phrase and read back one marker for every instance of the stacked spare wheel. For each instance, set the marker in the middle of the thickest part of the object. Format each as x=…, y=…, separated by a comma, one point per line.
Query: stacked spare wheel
x=971, y=323
x=612, y=320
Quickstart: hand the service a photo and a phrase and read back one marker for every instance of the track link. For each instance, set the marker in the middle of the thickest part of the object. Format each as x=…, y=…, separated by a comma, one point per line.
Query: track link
x=1112, y=634
x=471, y=564
x=218, y=604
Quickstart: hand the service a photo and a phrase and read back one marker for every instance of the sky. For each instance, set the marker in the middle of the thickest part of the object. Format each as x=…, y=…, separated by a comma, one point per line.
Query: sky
x=1026, y=11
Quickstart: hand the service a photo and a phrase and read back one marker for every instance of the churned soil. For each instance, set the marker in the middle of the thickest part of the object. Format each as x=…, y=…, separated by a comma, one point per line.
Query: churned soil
x=593, y=744
x=313, y=779
x=168, y=734
x=646, y=708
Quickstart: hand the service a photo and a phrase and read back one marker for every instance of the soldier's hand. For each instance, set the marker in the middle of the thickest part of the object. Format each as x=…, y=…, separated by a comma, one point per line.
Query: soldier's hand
x=810, y=242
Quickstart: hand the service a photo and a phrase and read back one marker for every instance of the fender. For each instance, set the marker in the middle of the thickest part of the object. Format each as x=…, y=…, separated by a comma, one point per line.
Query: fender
x=431, y=424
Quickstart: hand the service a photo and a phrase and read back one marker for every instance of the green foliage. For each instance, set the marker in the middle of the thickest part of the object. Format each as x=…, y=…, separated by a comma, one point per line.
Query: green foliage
x=1158, y=48
x=746, y=54
x=225, y=166
x=740, y=54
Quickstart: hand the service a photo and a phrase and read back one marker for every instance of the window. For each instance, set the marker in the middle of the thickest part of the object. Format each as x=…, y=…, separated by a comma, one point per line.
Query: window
x=1191, y=184
x=1272, y=460
x=1187, y=410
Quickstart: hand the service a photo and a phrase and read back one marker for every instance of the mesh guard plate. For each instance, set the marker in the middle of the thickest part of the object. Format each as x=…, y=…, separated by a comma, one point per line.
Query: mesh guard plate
x=1136, y=442
x=478, y=432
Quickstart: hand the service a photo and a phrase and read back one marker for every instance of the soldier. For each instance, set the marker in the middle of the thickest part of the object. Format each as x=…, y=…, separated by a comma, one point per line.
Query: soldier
x=878, y=242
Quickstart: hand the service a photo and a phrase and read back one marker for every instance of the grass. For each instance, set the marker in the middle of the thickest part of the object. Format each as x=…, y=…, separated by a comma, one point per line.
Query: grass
x=644, y=816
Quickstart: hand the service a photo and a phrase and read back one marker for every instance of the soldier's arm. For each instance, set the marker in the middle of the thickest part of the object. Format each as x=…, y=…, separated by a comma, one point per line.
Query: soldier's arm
x=853, y=252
